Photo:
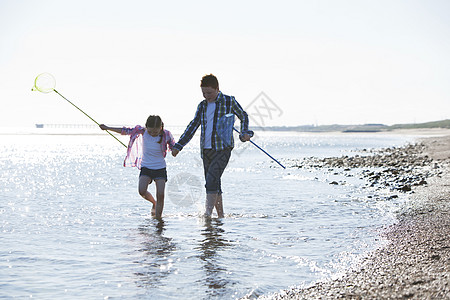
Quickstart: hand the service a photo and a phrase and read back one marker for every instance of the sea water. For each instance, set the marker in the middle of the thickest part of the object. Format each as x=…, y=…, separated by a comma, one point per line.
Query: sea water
x=73, y=226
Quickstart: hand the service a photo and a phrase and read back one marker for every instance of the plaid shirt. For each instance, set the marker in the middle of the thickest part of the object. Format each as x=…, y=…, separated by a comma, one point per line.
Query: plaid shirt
x=224, y=105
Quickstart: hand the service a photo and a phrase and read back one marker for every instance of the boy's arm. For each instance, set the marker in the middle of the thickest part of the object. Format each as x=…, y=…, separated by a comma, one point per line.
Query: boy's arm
x=190, y=130
x=242, y=115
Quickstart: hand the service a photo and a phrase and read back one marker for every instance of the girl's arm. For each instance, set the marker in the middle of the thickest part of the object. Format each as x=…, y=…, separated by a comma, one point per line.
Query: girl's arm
x=170, y=140
x=115, y=129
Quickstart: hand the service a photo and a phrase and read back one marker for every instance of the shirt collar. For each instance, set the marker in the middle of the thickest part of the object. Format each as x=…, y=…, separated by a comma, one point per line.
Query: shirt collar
x=218, y=98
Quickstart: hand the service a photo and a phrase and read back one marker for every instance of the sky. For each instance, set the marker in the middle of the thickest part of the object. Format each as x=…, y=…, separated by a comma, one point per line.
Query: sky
x=287, y=63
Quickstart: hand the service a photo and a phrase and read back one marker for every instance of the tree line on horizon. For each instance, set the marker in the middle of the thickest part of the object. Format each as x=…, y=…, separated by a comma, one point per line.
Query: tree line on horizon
x=358, y=128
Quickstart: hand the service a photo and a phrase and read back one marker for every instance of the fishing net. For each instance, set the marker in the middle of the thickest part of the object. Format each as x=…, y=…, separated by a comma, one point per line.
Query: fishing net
x=44, y=83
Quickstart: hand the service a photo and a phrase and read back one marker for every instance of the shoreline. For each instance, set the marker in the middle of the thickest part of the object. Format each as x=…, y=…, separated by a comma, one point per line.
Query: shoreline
x=93, y=130
x=415, y=262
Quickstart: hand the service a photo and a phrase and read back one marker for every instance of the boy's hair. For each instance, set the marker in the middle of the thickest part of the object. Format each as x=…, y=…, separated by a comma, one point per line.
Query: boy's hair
x=155, y=122
x=209, y=81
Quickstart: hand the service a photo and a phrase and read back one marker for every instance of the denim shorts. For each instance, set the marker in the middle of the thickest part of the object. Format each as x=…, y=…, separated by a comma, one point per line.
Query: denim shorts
x=214, y=163
x=154, y=174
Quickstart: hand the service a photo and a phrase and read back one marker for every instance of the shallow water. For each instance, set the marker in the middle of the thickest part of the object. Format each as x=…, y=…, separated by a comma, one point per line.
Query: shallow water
x=73, y=225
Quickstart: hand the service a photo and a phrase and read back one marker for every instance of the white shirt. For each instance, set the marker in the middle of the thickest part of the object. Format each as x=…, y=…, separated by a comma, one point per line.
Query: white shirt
x=153, y=157
x=210, y=110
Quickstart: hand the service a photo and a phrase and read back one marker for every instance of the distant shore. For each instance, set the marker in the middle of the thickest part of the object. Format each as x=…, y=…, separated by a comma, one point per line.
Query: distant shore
x=415, y=263
x=42, y=128
x=362, y=128
x=94, y=130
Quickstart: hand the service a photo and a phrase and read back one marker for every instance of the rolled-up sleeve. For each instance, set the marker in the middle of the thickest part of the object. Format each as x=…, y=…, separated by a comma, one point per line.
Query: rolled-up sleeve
x=242, y=115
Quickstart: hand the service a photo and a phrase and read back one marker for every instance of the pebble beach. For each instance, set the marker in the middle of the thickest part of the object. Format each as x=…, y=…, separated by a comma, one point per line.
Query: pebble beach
x=415, y=261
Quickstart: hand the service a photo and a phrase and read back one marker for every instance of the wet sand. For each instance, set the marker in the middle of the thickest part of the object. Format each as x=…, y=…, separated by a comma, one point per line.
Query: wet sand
x=415, y=262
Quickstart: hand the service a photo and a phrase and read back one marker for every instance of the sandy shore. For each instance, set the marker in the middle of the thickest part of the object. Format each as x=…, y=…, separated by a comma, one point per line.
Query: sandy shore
x=415, y=263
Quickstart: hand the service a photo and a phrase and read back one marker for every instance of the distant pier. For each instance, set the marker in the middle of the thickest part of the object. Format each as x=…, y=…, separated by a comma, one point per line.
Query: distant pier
x=67, y=126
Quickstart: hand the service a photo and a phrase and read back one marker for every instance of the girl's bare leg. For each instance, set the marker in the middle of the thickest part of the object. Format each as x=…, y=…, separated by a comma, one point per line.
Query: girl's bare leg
x=160, y=186
x=144, y=181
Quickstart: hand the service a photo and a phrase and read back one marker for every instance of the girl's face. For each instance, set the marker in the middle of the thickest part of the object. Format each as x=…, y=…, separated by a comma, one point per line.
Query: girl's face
x=154, y=131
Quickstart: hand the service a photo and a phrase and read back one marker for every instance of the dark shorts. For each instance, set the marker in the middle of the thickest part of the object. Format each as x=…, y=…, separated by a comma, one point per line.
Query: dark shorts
x=214, y=163
x=154, y=174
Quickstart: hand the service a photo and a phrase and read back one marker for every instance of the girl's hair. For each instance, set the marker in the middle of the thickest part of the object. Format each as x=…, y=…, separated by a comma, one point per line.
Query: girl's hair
x=155, y=122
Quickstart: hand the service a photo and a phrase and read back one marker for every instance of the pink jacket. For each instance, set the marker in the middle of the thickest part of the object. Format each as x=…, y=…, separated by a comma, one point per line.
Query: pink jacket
x=134, y=151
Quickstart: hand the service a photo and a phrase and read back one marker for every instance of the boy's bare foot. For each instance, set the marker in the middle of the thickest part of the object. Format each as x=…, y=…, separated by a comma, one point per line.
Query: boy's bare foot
x=153, y=210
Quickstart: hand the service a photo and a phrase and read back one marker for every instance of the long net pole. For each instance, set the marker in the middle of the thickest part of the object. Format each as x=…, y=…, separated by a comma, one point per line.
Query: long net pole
x=89, y=117
x=263, y=151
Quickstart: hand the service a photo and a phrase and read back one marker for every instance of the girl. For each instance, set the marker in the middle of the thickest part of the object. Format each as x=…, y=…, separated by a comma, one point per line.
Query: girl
x=146, y=150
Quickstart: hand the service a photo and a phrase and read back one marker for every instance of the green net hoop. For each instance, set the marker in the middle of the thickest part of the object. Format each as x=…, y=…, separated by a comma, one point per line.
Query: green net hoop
x=44, y=83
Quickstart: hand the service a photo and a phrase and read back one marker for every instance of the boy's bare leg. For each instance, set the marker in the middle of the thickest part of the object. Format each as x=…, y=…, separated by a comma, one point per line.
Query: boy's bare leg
x=144, y=181
x=160, y=186
x=210, y=203
x=219, y=206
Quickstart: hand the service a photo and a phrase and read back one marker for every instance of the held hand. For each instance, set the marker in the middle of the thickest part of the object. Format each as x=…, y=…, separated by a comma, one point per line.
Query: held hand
x=175, y=152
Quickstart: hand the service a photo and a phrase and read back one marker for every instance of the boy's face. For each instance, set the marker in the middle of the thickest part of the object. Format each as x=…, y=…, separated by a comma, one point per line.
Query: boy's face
x=210, y=93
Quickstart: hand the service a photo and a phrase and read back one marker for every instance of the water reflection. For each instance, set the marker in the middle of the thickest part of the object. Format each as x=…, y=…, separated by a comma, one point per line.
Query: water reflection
x=155, y=261
x=211, y=246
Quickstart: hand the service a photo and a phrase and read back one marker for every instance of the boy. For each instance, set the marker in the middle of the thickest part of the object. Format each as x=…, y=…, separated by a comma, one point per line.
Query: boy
x=215, y=151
